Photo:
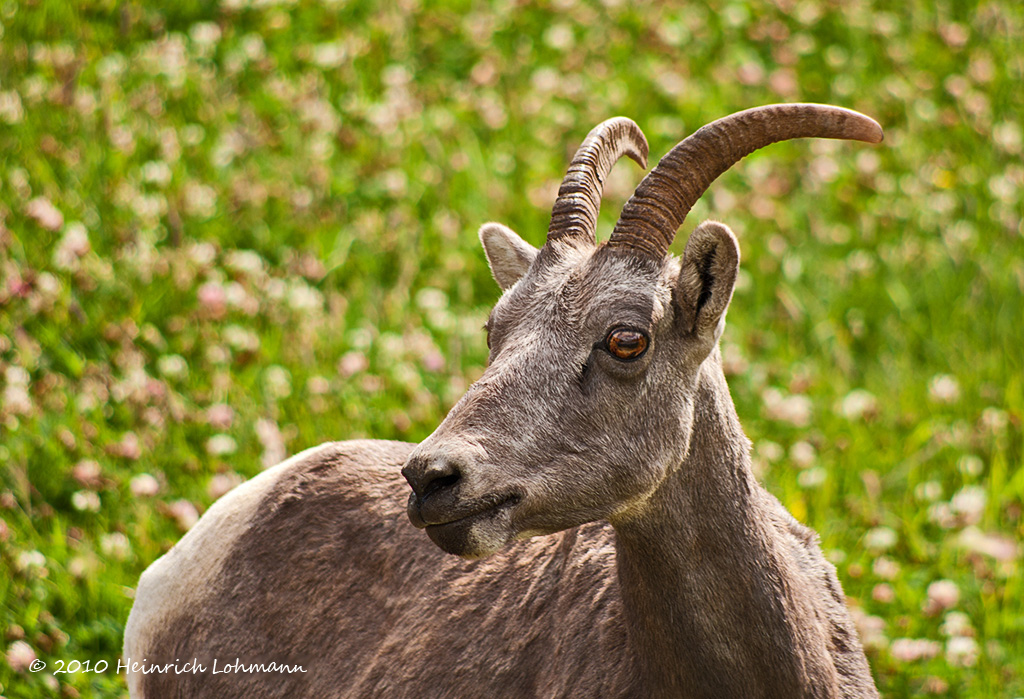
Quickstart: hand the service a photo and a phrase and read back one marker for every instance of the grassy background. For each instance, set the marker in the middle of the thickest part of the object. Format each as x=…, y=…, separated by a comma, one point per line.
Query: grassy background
x=229, y=232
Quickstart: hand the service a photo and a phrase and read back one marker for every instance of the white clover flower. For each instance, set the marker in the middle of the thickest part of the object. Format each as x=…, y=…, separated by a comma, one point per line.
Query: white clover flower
x=795, y=410
x=962, y=651
x=318, y=385
x=213, y=297
x=144, y=485
x=16, y=398
x=870, y=628
x=908, y=650
x=156, y=172
x=969, y=503
x=237, y=297
x=430, y=299
x=956, y=624
x=812, y=477
x=944, y=388
x=184, y=513
x=85, y=501
x=87, y=473
x=11, y=110
x=998, y=546
x=111, y=66
x=857, y=404
x=560, y=36
x=205, y=33
x=221, y=483
x=352, y=363
x=302, y=297
x=885, y=568
x=970, y=465
x=81, y=566
x=277, y=381
x=73, y=245
x=253, y=47
x=883, y=592
x=329, y=55
x=929, y=491
x=943, y=594
x=129, y=446
x=1007, y=135
x=115, y=545
x=31, y=561
x=245, y=261
x=240, y=339
x=43, y=212
x=200, y=200
x=220, y=416
x=770, y=451
x=880, y=539
x=221, y=445
x=202, y=253
x=270, y=437
x=994, y=420
x=20, y=656
x=803, y=454
x=173, y=366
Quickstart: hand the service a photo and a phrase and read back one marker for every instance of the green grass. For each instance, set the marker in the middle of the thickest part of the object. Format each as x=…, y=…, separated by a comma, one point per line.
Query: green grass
x=280, y=204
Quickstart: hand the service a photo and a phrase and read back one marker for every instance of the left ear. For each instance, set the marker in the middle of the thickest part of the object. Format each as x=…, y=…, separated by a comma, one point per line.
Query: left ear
x=508, y=254
x=706, y=280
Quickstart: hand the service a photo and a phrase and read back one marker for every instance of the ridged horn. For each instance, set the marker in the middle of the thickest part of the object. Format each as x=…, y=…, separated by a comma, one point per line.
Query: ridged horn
x=650, y=219
x=579, y=197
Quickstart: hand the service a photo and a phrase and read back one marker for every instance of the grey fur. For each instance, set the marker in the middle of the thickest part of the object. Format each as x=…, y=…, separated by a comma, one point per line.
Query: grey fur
x=670, y=573
x=509, y=255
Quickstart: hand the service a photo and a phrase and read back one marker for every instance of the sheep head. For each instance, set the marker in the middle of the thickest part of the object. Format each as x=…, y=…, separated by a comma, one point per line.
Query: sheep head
x=587, y=403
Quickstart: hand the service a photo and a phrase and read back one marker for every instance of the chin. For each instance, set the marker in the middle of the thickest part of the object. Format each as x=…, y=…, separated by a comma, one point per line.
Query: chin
x=474, y=537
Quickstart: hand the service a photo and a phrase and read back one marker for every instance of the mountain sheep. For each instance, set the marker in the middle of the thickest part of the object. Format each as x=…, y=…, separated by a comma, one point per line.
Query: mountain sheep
x=594, y=484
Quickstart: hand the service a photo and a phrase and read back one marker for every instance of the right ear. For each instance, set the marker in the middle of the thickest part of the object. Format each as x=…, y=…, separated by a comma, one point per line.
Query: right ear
x=711, y=261
x=508, y=255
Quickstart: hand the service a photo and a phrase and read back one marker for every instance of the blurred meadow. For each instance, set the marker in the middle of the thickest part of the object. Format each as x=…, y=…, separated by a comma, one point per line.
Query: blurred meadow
x=232, y=231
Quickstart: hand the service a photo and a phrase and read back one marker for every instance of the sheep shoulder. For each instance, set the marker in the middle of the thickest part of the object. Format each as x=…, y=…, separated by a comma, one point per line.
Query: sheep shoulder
x=314, y=563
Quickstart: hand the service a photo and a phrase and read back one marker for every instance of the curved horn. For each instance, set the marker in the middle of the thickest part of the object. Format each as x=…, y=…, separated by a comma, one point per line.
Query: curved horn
x=579, y=198
x=650, y=219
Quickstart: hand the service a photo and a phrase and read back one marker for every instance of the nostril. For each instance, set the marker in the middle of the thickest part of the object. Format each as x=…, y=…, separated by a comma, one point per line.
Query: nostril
x=428, y=476
x=441, y=483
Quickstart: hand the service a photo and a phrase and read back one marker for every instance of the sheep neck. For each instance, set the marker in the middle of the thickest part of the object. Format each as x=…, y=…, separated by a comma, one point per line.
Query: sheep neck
x=705, y=591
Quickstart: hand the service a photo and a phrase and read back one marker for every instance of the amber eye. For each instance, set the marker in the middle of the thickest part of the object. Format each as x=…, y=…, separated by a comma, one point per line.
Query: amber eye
x=626, y=344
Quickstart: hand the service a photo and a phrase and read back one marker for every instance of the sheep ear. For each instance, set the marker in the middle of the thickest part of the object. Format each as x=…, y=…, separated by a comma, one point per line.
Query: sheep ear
x=706, y=280
x=508, y=254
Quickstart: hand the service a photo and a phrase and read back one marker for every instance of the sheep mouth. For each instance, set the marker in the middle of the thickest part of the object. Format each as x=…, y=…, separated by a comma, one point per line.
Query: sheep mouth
x=483, y=508
x=476, y=529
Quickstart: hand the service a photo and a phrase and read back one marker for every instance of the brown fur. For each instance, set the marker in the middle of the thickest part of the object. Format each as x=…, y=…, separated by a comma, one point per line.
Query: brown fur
x=313, y=584
x=669, y=571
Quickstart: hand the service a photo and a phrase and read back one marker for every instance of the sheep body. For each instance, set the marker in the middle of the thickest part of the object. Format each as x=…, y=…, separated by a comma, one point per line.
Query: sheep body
x=313, y=562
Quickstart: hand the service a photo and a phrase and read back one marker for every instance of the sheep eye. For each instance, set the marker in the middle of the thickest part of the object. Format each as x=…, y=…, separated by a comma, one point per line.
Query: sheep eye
x=626, y=344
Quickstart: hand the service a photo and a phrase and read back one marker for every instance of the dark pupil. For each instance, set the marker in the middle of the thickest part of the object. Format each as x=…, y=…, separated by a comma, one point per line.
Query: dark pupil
x=626, y=344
